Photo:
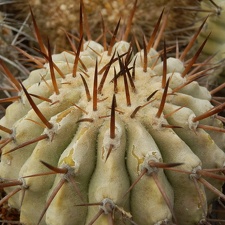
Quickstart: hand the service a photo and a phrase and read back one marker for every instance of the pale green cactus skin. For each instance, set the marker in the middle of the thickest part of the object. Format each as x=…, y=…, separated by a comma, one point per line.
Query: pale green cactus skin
x=82, y=146
x=216, y=27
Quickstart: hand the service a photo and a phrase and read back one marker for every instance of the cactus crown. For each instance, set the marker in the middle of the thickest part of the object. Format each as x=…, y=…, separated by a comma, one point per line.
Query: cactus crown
x=107, y=136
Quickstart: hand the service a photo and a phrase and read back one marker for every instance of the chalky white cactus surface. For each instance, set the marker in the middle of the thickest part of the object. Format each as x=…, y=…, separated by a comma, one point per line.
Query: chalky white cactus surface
x=108, y=121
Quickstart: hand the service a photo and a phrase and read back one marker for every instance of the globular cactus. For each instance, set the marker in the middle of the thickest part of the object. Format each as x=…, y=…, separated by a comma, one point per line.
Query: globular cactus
x=215, y=9
x=107, y=136
x=214, y=24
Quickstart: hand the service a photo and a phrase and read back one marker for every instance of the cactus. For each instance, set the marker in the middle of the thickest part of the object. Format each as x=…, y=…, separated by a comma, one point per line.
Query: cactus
x=216, y=42
x=109, y=136
x=215, y=25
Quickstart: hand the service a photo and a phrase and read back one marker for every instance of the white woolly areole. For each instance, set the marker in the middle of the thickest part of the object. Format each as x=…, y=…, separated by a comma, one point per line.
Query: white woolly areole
x=152, y=156
x=165, y=221
x=23, y=185
x=51, y=132
x=107, y=205
x=192, y=125
x=115, y=142
x=194, y=172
